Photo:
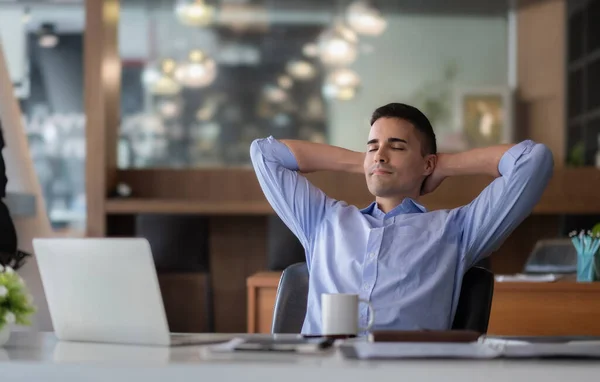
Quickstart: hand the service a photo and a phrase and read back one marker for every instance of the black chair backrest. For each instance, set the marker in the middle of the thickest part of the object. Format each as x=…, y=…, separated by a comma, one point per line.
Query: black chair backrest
x=290, y=303
x=475, y=301
x=472, y=312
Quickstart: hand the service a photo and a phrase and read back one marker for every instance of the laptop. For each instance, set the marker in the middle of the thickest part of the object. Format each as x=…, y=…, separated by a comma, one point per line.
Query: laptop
x=107, y=290
x=552, y=256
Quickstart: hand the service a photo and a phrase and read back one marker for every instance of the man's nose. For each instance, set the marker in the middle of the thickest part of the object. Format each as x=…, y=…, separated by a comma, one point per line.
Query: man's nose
x=380, y=157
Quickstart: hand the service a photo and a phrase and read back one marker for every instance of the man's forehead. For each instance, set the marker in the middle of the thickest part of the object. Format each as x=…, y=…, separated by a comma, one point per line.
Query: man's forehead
x=389, y=128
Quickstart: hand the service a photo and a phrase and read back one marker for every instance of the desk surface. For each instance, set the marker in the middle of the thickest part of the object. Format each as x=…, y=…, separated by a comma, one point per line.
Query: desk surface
x=39, y=356
x=566, y=284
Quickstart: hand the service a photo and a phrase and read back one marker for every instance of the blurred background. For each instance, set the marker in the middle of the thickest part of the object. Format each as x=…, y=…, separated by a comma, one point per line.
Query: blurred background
x=201, y=79
x=139, y=115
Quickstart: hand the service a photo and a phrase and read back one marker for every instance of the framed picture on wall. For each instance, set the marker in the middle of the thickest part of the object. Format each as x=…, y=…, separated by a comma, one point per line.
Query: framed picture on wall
x=485, y=116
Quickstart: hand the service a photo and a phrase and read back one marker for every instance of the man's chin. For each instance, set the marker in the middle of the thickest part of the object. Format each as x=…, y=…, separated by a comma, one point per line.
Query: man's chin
x=381, y=192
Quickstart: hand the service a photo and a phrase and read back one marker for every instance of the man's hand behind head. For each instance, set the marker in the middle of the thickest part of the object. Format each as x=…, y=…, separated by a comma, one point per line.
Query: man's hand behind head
x=436, y=178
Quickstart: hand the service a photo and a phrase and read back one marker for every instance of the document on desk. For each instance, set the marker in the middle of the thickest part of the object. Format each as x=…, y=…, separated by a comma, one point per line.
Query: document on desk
x=528, y=278
x=478, y=350
x=502, y=341
x=545, y=347
x=579, y=350
x=399, y=350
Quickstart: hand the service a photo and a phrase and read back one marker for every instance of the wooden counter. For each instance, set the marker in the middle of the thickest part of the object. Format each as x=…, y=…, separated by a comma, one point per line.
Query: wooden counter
x=262, y=290
x=220, y=191
x=559, y=308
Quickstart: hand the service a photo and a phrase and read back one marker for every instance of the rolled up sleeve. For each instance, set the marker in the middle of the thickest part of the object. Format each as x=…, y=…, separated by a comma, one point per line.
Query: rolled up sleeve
x=299, y=204
x=487, y=221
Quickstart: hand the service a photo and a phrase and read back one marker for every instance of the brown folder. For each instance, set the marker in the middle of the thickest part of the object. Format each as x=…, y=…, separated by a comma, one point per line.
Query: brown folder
x=424, y=336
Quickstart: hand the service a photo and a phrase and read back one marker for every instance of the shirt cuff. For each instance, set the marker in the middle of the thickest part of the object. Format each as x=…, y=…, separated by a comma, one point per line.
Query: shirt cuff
x=280, y=152
x=510, y=157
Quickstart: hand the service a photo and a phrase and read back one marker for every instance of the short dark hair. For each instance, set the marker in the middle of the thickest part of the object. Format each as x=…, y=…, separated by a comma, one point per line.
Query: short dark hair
x=412, y=115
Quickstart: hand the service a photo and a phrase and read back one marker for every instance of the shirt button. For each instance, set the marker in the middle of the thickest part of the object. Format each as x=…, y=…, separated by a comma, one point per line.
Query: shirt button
x=366, y=286
x=372, y=255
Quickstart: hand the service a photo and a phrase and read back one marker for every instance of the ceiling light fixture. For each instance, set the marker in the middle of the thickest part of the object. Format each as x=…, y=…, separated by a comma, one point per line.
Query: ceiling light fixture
x=199, y=71
x=194, y=12
x=301, y=70
x=285, y=82
x=47, y=36
x=344, y=77
x=338, y=46
x=341, y=84
x=158, y=79
x=365, y=19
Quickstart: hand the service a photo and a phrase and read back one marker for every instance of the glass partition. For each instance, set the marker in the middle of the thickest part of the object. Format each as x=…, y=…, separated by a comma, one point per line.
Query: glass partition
x=201, y=79
x=43, y=46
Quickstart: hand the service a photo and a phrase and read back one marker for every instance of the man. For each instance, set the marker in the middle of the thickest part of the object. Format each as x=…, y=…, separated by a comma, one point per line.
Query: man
x=406, y=261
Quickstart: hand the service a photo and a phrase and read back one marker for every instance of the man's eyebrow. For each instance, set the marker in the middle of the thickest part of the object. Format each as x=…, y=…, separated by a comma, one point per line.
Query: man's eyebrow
x=390, y=140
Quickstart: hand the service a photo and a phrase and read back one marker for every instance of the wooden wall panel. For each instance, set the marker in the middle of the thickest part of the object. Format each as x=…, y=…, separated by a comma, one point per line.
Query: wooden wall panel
x=184, y=297
x=218, y=187
x=102, y=94
x=230, y=184
x=513, y=253
x=238, y=249
x=541, y=73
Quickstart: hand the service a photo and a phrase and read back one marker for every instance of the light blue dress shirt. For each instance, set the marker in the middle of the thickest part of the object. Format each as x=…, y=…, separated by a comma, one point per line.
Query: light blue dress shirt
x=408, y=263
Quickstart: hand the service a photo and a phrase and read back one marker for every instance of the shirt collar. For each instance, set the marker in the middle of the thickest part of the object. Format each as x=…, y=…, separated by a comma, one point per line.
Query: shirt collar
x=408, y=206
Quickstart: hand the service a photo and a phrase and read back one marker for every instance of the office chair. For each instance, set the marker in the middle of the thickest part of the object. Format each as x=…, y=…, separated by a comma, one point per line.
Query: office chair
x=472, y=313
x=290, y=302
x=475, y=301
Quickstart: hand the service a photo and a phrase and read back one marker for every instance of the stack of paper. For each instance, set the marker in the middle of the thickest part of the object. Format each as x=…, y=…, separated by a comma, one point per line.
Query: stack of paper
x=395, y=350
x=480, y=350
x=520, y=277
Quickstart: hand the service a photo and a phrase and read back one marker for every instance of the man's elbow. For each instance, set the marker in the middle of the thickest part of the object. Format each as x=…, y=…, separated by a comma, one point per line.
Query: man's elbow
x=255, y=150
x=544, y=160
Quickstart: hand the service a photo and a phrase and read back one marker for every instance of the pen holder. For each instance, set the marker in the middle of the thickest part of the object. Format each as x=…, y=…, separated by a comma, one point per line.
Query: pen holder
x=587, y=246
x=596, y=263
x=585, y=268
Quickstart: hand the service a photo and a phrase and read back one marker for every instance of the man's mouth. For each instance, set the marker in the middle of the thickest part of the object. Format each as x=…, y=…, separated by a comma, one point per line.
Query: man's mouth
x=380, y=172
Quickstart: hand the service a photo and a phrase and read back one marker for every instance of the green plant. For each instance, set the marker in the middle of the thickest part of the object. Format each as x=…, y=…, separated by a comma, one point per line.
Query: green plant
x=576, y=157
x=596, y=229
x=596, y=232
x=15, y=303
x=434, y=97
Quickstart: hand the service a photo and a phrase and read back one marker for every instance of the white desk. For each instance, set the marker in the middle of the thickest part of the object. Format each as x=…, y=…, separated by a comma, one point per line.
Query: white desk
x=37, y=357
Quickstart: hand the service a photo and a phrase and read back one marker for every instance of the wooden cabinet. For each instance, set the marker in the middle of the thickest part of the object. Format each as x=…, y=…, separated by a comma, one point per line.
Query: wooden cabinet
x=262, y=289
x=560, y=308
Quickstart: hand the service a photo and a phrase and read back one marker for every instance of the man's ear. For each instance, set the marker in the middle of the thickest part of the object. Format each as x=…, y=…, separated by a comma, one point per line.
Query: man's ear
x=430, y=162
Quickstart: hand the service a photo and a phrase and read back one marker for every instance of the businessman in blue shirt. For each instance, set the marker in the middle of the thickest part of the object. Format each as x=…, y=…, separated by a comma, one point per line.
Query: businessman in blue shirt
x=407, y=261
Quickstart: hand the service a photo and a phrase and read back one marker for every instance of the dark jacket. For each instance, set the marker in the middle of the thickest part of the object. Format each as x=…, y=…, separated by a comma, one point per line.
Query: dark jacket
x=3, y=178
x=8, y=235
